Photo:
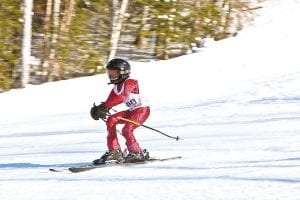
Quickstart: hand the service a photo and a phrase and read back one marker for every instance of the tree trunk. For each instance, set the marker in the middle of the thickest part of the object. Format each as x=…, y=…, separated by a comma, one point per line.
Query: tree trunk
x=46, y=45
x=26, y=48
x=116, y=13
x=117, y=30
x=53, y=65
x=69, y=13
x=145, y=26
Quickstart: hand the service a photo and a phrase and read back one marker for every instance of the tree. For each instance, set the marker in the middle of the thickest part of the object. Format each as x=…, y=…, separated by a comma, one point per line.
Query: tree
x=68, y=47
x=10, y=40
x=117, y=26
x=172, y=27
x=26, y=49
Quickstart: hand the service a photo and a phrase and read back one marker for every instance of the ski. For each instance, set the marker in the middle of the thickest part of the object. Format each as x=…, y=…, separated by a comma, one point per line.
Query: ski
x=110, y=164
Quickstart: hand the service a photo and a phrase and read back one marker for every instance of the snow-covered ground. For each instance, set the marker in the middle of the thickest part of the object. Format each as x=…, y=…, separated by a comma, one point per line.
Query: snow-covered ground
x=235, y=103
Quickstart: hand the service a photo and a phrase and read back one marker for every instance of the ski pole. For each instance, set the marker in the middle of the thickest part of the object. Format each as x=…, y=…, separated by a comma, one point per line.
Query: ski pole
x=118, y=131
x=139, y=124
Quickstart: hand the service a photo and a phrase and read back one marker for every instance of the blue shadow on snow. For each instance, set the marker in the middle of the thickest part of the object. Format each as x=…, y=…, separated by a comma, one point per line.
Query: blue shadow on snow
x=31, y=165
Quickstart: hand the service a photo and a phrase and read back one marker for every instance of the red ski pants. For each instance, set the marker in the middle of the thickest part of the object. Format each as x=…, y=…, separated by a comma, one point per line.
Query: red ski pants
x=138, y=115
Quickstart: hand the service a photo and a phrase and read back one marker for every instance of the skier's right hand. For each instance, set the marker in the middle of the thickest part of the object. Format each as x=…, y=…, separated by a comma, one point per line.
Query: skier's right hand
x=99, y=112
x=103, y=111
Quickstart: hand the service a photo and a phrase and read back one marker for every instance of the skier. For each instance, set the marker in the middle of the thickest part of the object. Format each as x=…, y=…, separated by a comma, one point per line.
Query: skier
x=126, y=90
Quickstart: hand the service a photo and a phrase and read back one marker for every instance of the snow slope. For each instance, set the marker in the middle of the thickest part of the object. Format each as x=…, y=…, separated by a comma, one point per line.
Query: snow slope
x=235, y=103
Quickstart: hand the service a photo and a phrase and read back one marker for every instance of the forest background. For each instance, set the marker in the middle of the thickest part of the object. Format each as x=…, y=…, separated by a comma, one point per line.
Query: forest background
x=50, y=40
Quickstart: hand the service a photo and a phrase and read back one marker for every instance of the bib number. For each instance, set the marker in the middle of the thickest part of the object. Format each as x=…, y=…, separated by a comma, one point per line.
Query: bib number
x=131, y=103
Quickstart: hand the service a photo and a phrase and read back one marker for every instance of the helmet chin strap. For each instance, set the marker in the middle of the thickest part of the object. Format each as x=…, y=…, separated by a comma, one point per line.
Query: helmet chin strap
x=112, y=82
x=120, y=79
x=116, y=81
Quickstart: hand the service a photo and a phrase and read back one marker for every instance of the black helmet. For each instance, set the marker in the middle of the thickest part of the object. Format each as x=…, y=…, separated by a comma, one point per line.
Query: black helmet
x=123, y=68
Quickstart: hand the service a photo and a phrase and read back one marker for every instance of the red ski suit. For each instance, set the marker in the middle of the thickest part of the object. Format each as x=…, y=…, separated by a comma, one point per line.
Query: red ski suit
x=128, y=93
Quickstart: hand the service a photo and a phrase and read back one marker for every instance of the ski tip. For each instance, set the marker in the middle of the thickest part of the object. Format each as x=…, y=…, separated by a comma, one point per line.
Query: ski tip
x=53, y=170
x=176, y=157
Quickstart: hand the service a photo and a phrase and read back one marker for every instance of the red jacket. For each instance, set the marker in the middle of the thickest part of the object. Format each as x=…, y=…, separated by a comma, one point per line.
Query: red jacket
x=126, y=92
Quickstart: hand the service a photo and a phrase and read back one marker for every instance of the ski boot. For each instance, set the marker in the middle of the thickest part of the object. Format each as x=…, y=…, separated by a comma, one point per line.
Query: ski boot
x=133, y=157
x=109, y=155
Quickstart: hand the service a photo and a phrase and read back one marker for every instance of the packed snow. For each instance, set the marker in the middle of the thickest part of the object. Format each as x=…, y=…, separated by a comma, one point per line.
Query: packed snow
x=236, y=104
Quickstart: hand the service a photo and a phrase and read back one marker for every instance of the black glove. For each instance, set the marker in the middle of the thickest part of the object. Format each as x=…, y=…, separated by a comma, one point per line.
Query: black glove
x=93, y=112
x=100, y=111
x=103, y=111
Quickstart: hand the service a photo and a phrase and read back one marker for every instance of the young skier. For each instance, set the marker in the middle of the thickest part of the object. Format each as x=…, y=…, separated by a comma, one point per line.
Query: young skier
x=126, y=90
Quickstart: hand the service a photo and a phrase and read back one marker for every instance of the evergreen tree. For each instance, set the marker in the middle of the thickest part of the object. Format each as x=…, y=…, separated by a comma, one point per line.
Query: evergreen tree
x=10, y=40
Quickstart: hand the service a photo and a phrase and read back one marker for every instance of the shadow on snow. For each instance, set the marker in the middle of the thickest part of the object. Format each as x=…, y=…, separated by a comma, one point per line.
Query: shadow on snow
x=31, y=165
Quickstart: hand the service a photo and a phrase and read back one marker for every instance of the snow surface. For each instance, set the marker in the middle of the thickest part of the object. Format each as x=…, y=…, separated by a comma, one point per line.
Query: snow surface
x=236, y=103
